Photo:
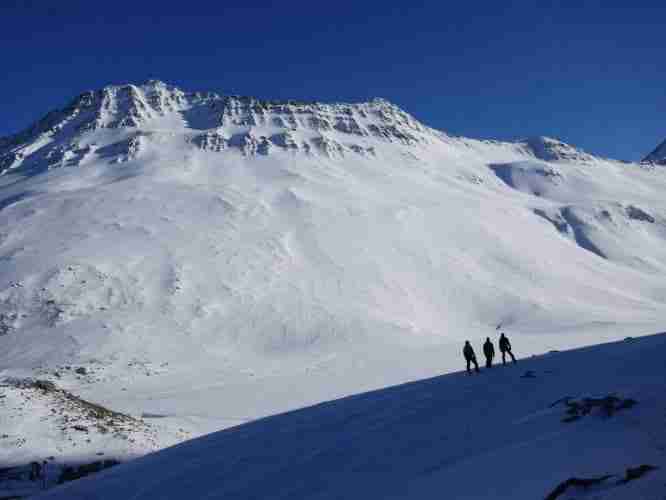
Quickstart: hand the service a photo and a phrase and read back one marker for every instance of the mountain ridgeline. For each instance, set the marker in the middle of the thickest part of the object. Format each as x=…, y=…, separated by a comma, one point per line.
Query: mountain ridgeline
x=218, y=123
x=658, y=156
x=214, y=122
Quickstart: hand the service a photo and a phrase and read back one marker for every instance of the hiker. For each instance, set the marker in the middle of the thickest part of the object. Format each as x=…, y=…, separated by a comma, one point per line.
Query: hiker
x=505, y=347
x=470, y=357
x=45, y=474
x=489, y=352
x=35, y=471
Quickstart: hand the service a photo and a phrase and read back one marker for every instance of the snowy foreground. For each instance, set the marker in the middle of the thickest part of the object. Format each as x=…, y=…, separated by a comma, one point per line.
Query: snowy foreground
x=499, y=434
x=193, y=261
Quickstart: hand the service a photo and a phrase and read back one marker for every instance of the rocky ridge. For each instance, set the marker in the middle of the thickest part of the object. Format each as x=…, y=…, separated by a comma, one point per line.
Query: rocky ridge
x=656, y=157
x=118, y=122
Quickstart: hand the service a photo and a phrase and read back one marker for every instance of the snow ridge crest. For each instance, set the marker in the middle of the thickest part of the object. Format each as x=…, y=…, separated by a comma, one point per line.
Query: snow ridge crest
x=550, y=149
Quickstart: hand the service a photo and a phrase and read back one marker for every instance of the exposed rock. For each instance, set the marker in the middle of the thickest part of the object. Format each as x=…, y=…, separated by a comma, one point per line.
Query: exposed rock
x=576, y=482
x=62, y=138
x=656, y=157
x=606, y=406
x=636, y=213
x=633, y=473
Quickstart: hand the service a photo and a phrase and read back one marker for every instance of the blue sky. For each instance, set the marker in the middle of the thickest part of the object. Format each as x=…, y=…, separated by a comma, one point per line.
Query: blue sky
x=592, y=73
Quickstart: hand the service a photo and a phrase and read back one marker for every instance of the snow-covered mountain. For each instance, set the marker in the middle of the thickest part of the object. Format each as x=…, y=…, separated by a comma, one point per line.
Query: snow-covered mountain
x=209, y=259
x=658, y=156
x=116, y=123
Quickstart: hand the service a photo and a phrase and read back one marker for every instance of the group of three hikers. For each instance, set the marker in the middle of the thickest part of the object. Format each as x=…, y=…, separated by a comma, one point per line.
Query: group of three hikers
x=488, y=351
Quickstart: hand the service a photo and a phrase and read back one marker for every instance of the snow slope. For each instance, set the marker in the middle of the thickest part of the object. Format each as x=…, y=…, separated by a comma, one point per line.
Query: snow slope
x=499, y=434
x=211, y=259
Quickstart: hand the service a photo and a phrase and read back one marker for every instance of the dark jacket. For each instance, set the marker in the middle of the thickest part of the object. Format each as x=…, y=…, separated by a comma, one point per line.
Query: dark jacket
x=504, y=343
x=488, y=349
x=468, y=352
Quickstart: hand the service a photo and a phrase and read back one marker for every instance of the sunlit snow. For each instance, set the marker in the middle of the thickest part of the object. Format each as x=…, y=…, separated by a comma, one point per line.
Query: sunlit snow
x=212, y=259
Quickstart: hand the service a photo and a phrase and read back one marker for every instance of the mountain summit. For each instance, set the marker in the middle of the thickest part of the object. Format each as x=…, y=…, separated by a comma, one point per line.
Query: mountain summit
x=114, y=124
x=549, y=149
x=658, y=156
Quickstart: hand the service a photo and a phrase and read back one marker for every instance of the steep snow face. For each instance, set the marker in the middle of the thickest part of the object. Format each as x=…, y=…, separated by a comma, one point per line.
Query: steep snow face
x=658, y=156
x=275, y=254
x=524, y=428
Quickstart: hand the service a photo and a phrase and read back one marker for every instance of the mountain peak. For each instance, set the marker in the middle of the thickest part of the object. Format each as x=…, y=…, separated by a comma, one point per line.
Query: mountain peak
x=658, y=156
x=551, y=149
x=207, y=121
